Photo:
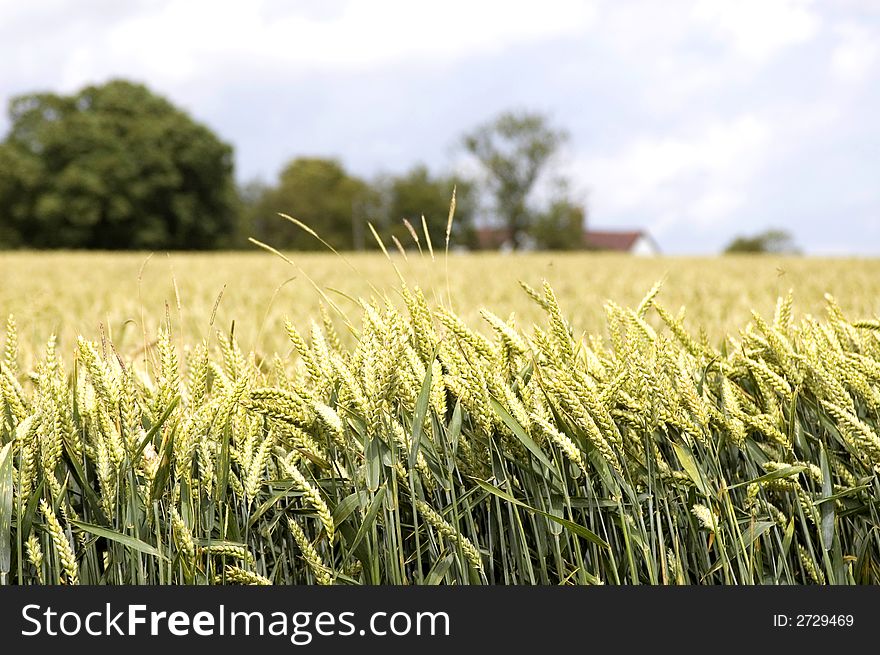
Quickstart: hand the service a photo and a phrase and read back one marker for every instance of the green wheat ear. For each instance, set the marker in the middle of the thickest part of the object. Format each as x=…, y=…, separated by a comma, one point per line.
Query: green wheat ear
x=63, y=549
x=10, y=348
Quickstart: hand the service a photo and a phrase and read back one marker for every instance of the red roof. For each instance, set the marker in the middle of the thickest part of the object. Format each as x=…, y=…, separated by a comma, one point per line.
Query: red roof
x=621, y=241
x=489, y=238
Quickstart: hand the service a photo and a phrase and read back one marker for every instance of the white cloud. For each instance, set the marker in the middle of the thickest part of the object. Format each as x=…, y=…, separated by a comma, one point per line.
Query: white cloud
x=757, y=29
x=174, y=40
x=699, y=178
x=856, y=54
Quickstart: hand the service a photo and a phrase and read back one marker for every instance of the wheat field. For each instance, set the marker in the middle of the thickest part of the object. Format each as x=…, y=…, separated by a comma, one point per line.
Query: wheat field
x=372, y=420
x=128, y=295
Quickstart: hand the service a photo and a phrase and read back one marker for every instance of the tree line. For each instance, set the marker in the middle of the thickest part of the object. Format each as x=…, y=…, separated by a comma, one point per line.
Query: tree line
x=116, y=166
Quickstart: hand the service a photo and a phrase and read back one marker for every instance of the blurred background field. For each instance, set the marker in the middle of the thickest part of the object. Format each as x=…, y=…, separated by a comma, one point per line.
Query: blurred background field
x=128, y=295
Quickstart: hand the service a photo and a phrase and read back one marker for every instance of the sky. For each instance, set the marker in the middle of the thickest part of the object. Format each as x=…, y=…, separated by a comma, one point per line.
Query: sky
x=695, y=120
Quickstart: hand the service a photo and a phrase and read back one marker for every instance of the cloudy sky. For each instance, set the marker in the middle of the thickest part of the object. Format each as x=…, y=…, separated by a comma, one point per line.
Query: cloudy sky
x=696, y=120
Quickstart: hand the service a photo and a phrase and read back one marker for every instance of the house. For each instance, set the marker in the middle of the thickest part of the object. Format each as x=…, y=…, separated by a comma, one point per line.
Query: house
x=634, y=242
x=498, y=238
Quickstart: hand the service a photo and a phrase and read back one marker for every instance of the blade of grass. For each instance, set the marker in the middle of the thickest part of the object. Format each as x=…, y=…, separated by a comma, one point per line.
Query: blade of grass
x=579, y=530
x=126, y=540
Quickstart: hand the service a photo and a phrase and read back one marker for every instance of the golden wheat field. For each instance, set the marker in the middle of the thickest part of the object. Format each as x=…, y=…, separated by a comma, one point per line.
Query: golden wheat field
x=128, y=295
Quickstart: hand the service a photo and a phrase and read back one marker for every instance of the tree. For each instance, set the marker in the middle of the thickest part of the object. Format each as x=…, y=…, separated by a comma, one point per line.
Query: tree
x=113, y=166
x=514, y=150
x=321, y=194
x=417, y=193
x=251, y=195
x=560, y=227
x=769, y=241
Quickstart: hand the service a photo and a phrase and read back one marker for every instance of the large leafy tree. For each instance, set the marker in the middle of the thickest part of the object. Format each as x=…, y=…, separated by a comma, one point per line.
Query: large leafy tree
x=113, y=166
x=320, y=193
x=515, y=150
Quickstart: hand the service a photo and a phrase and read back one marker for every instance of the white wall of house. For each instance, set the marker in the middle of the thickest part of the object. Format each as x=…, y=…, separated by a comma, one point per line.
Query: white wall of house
x=644, y=248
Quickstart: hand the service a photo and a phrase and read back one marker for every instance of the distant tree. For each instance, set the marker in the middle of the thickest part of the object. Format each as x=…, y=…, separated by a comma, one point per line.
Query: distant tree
x=417, y=193
x=321, y=194
x=514, y=149
x=560, y=227
x=113, y=166
x=770, y=241
x=250, y=197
